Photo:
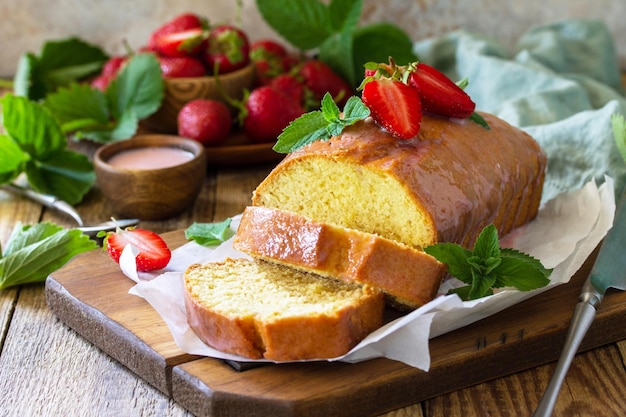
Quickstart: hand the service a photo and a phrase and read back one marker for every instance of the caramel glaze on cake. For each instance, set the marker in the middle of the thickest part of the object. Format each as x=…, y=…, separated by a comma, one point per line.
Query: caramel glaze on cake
x=408, y=277
x=446, y=185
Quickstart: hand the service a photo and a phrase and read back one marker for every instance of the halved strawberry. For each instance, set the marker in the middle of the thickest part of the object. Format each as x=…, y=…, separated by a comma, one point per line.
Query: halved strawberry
x=395, y=106
x=180, y=23
x=178, y=44
x=439, y=94
x=153, y=251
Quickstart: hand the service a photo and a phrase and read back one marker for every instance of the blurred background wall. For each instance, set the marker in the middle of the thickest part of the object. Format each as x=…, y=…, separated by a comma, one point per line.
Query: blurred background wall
x=26, y=24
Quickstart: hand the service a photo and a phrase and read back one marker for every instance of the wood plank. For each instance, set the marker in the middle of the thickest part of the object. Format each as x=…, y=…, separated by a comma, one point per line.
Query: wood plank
x=128, y=329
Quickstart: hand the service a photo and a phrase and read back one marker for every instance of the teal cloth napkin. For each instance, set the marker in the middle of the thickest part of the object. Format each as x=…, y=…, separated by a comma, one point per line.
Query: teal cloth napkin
x=561, y=84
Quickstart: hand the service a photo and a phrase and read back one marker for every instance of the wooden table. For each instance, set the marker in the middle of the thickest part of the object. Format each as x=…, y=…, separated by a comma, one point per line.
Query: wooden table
x=47, y=369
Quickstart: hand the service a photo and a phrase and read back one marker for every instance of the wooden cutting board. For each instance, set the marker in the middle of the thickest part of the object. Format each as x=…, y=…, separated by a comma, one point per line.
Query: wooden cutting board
x=90, y=295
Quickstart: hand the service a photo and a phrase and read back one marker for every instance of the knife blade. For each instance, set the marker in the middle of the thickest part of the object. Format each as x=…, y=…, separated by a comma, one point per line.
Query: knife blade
x=608, y=271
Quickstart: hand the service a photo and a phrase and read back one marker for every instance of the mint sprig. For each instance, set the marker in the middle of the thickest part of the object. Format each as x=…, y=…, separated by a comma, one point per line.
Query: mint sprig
x=34, y=252
x=320, y=124
x=35, y=144
x=59, y=63
x=488, y=266
x=209, y=234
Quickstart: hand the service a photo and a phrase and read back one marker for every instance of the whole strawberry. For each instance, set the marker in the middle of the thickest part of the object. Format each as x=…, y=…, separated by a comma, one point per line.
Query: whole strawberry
x=228, y=49
x=269, y=58
x=207, y=121
x=290, y=86
x=152, y=251
x=267, y=112
x=319, y=78
x=181, y=67
x=109, y=71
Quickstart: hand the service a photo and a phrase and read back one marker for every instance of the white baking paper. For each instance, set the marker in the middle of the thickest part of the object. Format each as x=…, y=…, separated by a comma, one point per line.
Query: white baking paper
x=563, y=235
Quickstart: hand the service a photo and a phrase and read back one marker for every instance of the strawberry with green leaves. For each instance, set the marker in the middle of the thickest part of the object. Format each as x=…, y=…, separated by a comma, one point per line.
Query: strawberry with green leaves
x=227, y=49
x=270, y=59
x=319, y=79
x=152, y=251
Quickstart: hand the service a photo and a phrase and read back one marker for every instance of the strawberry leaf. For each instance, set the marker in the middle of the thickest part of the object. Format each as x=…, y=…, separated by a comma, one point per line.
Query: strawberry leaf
x=60, y=63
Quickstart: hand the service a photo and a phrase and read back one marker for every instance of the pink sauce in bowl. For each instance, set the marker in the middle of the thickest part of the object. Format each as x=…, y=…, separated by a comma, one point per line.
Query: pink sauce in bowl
x=151, y=157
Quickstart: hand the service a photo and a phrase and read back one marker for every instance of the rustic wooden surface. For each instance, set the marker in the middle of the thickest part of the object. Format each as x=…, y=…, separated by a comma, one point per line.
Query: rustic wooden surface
x=47, y=369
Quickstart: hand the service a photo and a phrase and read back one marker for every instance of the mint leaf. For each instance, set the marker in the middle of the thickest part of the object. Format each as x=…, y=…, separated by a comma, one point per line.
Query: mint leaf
x=488, y=266
x=320, y=125
x=34, y=252
x=60, y=63
x=619, y=133
x=209, y=234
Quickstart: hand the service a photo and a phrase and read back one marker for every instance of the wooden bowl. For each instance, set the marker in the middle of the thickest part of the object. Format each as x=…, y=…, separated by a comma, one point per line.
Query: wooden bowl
x=156, y=192
x=179, y=91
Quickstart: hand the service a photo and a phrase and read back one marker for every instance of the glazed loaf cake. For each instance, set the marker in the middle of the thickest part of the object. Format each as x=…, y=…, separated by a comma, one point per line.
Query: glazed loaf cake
x=261, y=310
x=408, y=277
x=446, y=185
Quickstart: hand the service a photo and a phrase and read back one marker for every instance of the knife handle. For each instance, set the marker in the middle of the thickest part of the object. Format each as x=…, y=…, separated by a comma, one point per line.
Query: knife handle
x=584, y=313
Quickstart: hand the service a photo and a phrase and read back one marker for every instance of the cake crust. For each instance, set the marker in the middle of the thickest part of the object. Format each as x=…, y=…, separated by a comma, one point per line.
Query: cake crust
x=409, y=277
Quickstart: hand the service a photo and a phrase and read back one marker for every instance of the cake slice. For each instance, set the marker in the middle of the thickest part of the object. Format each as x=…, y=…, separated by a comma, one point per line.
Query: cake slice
x=259, y=310
x=409, y=277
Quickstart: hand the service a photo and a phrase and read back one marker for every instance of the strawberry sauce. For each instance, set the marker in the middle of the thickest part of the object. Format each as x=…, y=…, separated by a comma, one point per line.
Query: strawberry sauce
x=154, y=157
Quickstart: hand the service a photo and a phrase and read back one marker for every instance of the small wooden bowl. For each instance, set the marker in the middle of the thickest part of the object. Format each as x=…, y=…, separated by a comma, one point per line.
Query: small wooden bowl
x=151, y=193
x=179, y=91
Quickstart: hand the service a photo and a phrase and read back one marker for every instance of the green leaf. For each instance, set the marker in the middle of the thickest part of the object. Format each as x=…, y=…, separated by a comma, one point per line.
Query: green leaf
x=344, y=15
x=487, y=244
x=479, y=120
x=12, y=159
x=34, y=252
x=305, y=24
x=355, y=110
x=619, y=133
x=79, y=107
x=67, y=174
x=336, y=51
x=488, y=266
x=32, y=127
x=60, y=63
x=209, y=234
x=455, y=256
x=138, y=88
x=516, y=264
x=377, y=42
x=300, y=132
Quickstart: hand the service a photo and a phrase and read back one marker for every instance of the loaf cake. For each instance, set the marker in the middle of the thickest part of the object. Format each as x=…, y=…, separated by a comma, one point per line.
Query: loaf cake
x=445, y=185
x=259, y=310
x=408, y=277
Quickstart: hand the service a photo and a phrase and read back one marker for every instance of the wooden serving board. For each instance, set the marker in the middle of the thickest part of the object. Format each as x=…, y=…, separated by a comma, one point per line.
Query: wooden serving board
x=90, y=295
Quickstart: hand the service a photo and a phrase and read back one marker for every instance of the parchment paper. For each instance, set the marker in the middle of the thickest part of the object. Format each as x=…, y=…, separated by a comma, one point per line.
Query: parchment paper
x=563, y=235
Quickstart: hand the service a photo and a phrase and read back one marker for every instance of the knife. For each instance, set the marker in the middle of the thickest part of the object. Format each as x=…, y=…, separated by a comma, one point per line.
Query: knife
x=608, y=271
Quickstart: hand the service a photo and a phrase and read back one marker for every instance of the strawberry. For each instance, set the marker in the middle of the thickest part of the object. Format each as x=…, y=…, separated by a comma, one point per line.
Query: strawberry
x=394, y=105
x=153, y=251
x=289, y=86
x=319, y=78
x=267, y=112
x=181, y=67
x=269, y=58
x=186, y=43
x=440, y=95
x=180, y=23
x=228, y=49
x=207, y=121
